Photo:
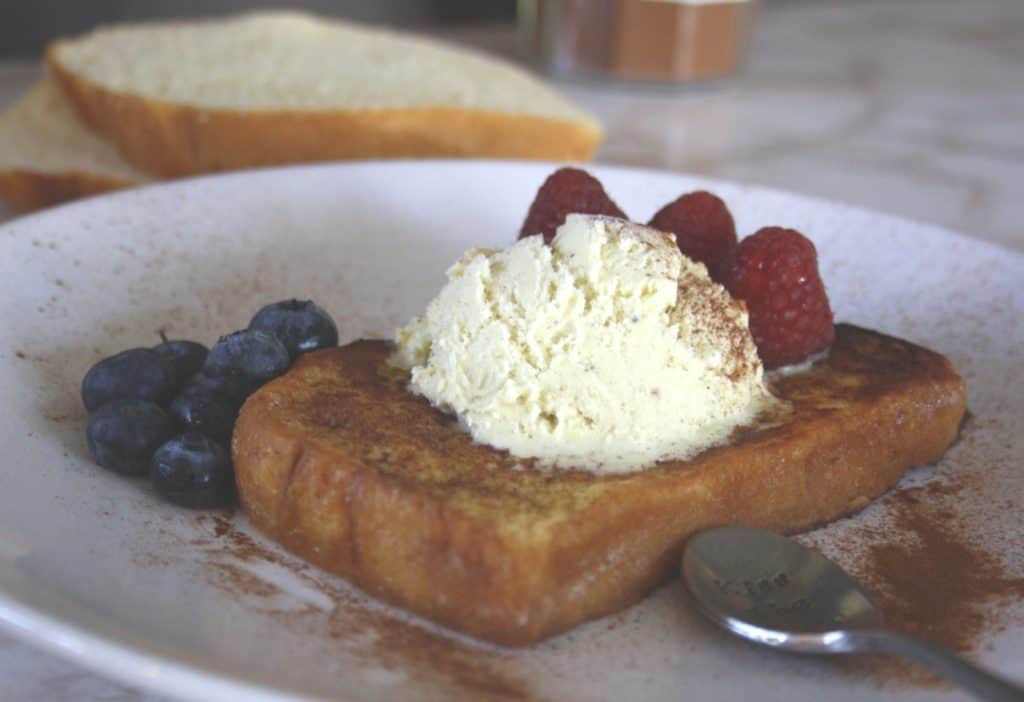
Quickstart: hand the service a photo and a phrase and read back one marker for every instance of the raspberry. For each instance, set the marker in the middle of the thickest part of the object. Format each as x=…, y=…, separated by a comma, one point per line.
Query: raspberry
x=776, y=273
x=704, y=230
x=567, y=190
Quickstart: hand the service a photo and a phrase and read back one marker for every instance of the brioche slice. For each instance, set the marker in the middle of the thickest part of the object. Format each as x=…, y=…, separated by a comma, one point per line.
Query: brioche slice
x=284, y=87
x=342, y=465
x=48, y=157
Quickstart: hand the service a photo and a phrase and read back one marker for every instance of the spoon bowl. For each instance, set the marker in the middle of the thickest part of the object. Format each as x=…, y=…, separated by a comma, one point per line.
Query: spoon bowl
x=773, y=591
x=770, y=589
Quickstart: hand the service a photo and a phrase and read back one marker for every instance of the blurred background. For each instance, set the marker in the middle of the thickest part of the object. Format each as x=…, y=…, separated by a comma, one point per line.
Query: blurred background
x=909, y=106
x=914, y=107
x=27, y=26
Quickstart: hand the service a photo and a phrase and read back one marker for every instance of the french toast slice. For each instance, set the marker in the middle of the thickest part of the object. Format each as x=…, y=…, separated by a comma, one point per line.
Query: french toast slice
x=344, y=466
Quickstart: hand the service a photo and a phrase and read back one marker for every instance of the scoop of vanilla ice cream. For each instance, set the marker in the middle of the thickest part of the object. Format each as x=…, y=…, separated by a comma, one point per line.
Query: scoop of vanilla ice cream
x=607, y=350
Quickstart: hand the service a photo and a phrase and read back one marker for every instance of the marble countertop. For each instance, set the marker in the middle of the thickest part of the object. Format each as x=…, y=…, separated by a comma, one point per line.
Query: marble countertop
x=910, y=107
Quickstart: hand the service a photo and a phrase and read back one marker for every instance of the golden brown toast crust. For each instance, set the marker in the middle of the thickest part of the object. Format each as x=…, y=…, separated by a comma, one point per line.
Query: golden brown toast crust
x=170, y=139
x=31, y=190
x=342, y=465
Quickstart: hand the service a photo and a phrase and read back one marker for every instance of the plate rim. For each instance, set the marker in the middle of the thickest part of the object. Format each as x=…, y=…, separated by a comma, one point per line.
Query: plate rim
x=150, y=672
x=242, y=174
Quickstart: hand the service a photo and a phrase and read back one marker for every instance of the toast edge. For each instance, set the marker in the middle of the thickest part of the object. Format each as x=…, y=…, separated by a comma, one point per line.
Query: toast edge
x=347, y=519
x=27, y=191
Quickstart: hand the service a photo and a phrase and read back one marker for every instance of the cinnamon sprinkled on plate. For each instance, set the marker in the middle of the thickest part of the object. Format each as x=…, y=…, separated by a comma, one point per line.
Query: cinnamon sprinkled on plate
x=931, y=578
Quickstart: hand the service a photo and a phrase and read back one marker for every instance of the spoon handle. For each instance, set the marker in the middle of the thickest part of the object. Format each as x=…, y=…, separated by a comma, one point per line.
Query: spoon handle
x=981, y=683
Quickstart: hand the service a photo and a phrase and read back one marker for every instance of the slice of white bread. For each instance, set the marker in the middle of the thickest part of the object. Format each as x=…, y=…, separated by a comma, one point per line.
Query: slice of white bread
x=284, y=87
x=47, y=156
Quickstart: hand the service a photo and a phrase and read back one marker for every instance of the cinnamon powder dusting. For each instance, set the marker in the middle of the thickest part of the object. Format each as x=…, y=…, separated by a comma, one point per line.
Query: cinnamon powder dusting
x=935, y=583
x=930, y=576
x=373, y=636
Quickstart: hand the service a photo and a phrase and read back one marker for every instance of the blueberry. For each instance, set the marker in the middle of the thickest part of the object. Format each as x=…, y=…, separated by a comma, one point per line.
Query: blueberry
x=229, y=387
x=186, y=357
x=300, y=325
x=201, y=407
x=193, y=470
x=246, y=360
x=139, y=374
x=123, y=434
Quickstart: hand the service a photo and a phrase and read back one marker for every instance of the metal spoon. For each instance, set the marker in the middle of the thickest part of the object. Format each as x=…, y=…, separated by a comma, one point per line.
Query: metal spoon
x=773, y=591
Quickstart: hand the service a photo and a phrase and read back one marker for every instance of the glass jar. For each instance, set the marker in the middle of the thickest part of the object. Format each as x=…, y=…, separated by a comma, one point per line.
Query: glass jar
x=668, y=41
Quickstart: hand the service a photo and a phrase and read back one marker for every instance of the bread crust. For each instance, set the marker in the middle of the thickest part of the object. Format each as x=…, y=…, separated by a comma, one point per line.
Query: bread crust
x=26, y=191
x=172, y=139
x=343, y=466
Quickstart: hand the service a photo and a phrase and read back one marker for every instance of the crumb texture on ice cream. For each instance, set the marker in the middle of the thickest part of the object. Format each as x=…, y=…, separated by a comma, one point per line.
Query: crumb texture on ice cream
x=607, y=350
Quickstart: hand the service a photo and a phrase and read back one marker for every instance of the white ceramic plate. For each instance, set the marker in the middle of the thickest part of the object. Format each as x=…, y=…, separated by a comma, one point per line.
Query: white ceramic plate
x=95, y=567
